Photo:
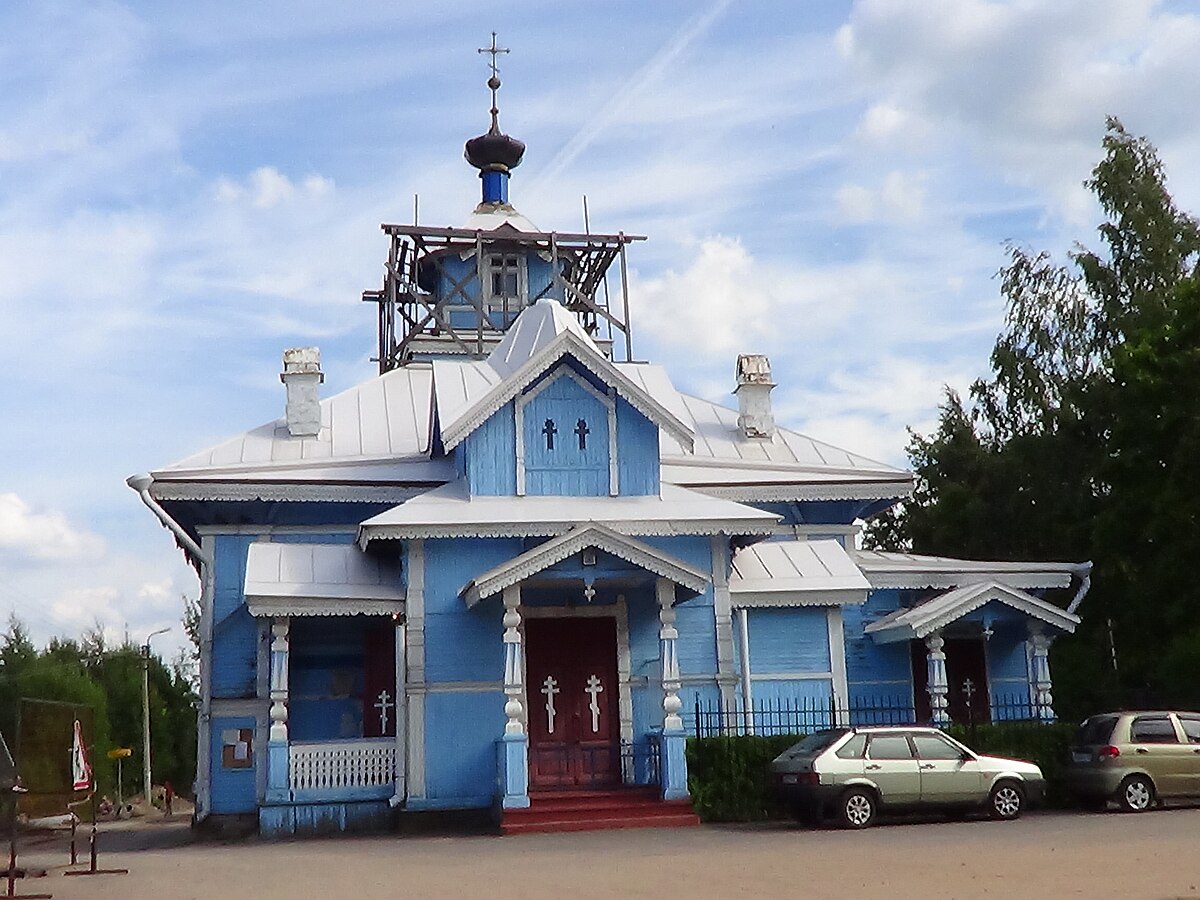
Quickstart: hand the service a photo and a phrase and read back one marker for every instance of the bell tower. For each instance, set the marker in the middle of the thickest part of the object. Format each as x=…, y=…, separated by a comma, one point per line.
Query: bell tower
x=455, y=291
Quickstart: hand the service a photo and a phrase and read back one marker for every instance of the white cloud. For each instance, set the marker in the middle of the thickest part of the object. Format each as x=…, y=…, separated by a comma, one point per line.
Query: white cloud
x=266, y=187
x=43, y=535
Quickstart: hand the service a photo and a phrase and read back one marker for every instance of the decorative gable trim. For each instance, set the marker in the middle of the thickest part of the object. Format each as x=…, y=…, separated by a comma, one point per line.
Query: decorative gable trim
x=567, y=343
x=582, y=537
x=610, y=403
x=937, y=613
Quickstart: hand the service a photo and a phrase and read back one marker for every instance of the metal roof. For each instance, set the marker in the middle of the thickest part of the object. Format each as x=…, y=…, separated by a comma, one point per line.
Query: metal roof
x=910, y=570
x=319, y=579
x=450, y=511
x=796, y=573
x=926, y=618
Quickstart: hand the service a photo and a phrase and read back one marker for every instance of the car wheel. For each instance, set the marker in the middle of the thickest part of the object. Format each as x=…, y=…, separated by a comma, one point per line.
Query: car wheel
x=857, y=808
x=1136, y=794
x=1006, y=801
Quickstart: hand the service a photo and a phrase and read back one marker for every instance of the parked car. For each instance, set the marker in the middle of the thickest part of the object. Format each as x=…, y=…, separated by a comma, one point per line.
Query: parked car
x=1135, y=759
x=855, y=773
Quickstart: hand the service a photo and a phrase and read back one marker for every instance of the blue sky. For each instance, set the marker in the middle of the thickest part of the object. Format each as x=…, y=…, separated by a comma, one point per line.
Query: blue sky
x=187, y=190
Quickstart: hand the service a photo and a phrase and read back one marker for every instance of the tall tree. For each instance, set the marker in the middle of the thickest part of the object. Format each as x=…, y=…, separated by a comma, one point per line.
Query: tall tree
x=1054, y=457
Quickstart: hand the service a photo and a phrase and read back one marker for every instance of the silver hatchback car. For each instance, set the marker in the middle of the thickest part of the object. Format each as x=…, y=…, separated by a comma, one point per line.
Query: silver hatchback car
x=854, y=773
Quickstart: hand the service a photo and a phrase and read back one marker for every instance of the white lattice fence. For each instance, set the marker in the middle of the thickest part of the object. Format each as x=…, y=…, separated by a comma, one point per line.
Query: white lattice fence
x=331, y=765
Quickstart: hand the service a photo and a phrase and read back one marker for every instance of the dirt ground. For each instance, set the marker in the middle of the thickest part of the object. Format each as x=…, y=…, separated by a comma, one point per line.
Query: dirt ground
x=1154, y=856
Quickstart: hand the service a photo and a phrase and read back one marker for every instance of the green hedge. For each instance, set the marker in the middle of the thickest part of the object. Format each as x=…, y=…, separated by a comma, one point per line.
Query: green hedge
x=728, y=775
x=1047, y=745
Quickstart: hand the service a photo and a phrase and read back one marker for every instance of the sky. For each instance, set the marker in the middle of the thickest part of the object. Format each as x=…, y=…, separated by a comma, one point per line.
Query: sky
x=188, y=189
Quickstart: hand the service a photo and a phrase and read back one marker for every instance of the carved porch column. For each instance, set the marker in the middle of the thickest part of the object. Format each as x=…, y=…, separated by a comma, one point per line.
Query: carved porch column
x=278, y=784
x=1043, y=700
x=938, y=685
x=672, y=759
x=515, y=743
x=400, y=637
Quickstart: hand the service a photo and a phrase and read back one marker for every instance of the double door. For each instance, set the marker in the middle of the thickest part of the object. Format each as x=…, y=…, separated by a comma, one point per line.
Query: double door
x=572, y=692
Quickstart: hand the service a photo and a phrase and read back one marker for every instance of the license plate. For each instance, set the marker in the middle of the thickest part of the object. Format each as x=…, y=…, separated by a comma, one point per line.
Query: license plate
x=790, y=779
x=1080, y=756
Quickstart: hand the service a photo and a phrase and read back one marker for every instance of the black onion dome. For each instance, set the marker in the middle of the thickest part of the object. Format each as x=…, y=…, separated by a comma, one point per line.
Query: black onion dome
x=494, y=151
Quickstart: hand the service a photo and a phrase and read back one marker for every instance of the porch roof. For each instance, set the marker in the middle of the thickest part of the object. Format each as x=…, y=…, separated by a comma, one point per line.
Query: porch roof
x=583, y=537
x=450, y=511
x=921, y=621
x=911, y=570
x=319, y=580
x=796, y=573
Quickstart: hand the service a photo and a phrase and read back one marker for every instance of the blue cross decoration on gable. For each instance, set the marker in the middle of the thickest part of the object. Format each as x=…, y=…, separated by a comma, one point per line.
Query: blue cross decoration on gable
x=549, y=431
x=583, y=431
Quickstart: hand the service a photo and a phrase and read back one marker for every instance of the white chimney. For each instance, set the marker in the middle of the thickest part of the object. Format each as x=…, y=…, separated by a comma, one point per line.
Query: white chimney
x=301, y=376
x=753, y=391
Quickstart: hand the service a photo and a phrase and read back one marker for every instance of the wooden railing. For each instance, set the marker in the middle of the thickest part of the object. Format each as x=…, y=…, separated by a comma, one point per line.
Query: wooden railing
x=337, y=765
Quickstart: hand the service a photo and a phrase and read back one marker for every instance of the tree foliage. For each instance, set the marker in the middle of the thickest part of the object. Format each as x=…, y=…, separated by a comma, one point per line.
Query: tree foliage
x=1082, y=442
x=107, y=681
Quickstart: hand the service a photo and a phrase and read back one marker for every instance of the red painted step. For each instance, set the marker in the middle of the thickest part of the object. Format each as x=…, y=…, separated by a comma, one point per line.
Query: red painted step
x=596, y=810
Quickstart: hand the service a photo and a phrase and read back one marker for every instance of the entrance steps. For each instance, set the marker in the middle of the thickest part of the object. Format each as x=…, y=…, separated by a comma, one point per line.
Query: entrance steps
x=596, y=811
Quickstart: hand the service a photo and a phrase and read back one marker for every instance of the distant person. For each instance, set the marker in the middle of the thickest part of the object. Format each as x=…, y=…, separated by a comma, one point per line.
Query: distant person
x=168, y=799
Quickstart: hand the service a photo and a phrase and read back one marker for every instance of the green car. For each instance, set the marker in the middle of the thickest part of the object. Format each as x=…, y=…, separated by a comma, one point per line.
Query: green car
x=855, y=773
x=1135, y=759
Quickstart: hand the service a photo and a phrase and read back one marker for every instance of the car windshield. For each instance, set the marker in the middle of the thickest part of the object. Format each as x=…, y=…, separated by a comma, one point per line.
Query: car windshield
x=816, y=742
x=1096, y=730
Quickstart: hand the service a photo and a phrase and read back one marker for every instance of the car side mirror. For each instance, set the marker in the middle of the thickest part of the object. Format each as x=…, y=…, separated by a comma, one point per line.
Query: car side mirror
x=966, y=756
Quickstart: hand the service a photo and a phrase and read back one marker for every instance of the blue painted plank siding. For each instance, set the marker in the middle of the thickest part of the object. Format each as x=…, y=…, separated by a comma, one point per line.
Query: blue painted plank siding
x=875, y=672
x=1008, y=667
x=490, y=454
x=348, y=537
x=326, y=677
x=235, y=631
x=566, y=468
x=792, y=640
x=233, y=790
x=638, y=470
x=463, y=644
x=461, y=730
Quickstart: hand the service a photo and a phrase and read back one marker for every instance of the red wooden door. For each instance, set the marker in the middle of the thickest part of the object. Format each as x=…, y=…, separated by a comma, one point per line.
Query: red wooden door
x=379, y=680
x=574, y=727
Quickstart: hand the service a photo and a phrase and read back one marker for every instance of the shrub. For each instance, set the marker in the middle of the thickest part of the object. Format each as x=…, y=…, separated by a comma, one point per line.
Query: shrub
x=1047, y=745
x=727, y=776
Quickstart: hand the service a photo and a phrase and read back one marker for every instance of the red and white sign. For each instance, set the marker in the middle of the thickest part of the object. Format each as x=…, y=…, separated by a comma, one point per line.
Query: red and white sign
x=81, y=769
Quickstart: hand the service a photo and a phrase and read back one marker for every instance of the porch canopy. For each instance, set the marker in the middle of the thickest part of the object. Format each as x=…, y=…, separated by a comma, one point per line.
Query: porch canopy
x=796, y=573
x=320, y=580
x=585, y=536
x=929, y=617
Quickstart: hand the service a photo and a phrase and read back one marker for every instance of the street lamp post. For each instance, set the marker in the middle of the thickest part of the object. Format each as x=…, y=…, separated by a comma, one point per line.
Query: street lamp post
x=146, y=713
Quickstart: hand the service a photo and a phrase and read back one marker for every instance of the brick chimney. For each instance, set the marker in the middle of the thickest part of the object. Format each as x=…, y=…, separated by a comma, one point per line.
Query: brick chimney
x=302, y=376
x=753, y=391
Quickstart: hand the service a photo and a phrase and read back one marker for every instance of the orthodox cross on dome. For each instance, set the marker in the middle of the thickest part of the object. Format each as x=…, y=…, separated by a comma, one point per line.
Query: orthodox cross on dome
x=594, y=689
x=383, y=705
x=583, y=431
x=550, y=688
x=549, y=430
x=494, y=81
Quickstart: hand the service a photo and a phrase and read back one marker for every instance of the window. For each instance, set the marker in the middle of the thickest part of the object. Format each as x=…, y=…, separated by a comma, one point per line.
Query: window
x=889, y=746
x=853, y=748
x=1191, y=727
x=1153, y=730
x=934, y=746
x=1096, y=730
x=503, y=271
x=237, y=748
x=814, y=743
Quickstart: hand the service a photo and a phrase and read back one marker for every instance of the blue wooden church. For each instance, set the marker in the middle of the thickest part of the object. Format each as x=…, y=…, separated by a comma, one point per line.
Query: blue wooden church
x=515, y=569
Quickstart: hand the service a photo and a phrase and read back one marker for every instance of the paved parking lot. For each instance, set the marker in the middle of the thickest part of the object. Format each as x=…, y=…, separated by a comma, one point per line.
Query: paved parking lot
x=1152, y=856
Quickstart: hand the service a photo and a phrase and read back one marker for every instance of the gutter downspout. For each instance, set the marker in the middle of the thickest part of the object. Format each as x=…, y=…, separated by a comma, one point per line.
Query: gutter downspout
x=1084, y=571
x=203, y=565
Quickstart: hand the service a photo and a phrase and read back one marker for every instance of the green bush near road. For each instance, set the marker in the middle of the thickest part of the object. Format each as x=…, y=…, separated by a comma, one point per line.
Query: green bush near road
x=728, y=776
x=1047, y=745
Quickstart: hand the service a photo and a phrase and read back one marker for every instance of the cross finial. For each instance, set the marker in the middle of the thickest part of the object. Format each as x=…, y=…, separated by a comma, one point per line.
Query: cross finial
x=494, y=81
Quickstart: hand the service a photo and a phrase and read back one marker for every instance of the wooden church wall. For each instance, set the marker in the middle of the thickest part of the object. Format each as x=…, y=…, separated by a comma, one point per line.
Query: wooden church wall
x=875, y=672
x=235, y=632
x=490, y=455
x=464, y=672
x=637, y=452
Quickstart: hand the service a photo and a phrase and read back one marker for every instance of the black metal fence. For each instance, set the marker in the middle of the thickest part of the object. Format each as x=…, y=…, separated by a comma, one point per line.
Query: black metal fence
x=802, y=715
